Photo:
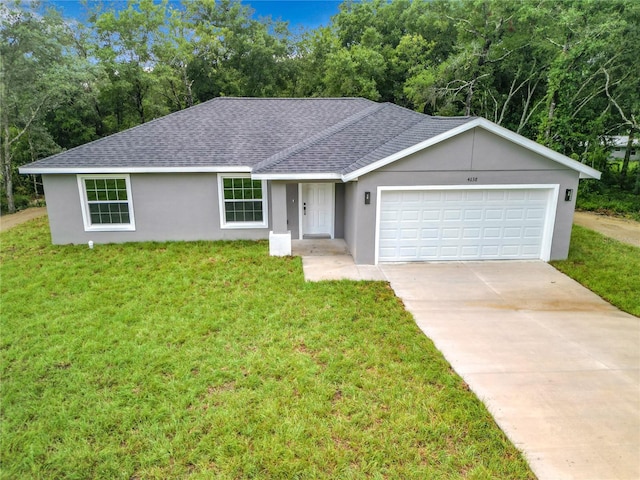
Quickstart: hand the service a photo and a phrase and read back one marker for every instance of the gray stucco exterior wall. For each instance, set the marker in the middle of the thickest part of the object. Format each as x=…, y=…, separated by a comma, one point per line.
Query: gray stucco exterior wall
x=350, y=216
x=475, y=154
x=166, y=207
x=339, y=211
x=293, y=218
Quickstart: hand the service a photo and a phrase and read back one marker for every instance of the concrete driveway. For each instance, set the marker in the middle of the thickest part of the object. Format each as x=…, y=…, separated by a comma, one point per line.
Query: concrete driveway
x=558, y=367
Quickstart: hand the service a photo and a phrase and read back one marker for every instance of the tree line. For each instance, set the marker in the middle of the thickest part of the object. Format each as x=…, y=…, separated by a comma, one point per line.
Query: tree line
x=565, y=74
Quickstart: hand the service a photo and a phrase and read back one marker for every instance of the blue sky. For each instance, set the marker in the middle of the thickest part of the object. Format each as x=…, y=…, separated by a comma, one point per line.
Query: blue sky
x=300, y=13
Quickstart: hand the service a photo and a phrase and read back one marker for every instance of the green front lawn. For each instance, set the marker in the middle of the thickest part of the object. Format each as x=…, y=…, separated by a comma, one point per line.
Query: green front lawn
x=609, y=268
x=203, y=360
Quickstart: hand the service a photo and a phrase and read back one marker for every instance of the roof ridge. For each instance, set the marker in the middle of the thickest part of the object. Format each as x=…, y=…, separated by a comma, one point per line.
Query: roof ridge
x=295, y=98
x=327, y=132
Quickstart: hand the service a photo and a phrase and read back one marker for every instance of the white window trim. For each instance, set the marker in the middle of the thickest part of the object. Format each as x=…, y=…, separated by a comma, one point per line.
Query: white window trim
x=84, y=203
x=221, y=201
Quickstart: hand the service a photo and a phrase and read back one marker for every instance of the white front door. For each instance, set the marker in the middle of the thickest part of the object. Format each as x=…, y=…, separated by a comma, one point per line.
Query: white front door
x=317, y=209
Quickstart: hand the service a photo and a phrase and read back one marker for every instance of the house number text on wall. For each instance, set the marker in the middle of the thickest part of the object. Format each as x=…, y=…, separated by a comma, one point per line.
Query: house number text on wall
x=472, y=179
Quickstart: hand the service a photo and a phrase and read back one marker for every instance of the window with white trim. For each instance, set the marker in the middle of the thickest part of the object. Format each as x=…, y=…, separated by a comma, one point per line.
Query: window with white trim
x=106, y=202
x=243, y=201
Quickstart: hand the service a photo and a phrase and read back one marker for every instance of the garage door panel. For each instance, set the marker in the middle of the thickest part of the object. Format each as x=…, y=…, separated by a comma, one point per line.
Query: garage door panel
x=493, y=214
x=495, y=195
x=452, y=214
x=432, y=215
x=515, y=214
x=429, y=233
x=516, y=195
x=462, y=224
x=512, y=232
x=535, y=213
x=492, y=232
x=472, y=251
x=409, y=215
x=392, y=215
x=454, y=195
x=471, y=233
x=451, y=233
x=474, y=196
x=409, y=233
x=472, y=214
x=411, y=197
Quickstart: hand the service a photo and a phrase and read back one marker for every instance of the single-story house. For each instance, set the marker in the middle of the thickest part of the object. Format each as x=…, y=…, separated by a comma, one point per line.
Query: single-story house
x=619, y=145
x=396, y=185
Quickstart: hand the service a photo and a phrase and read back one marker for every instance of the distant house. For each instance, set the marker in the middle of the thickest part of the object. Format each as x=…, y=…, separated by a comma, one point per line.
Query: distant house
x=396, y=185
x=619, y=148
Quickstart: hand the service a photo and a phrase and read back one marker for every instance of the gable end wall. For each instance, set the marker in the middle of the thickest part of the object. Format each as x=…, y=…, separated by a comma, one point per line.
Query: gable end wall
x=476, y=157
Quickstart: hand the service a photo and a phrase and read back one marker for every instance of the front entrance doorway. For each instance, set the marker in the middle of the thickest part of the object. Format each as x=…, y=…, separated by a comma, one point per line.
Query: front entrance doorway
x=317, y=210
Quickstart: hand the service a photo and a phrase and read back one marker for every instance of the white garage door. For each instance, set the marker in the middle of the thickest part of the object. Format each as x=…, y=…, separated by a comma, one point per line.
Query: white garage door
x=463, y=224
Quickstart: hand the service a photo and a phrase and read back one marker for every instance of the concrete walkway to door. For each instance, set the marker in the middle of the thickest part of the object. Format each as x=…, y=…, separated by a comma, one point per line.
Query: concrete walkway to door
x=558, y=367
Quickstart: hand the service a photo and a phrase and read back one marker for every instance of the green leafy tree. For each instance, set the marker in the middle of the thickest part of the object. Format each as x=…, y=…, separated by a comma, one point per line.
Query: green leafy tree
x=236, y=54
x=38, y=73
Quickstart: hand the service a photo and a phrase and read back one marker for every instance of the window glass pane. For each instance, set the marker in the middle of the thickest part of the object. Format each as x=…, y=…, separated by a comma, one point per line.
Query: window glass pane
x=239, y=198
x=107, y=199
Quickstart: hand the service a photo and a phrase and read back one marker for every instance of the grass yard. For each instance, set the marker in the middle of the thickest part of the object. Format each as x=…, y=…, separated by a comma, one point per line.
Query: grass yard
x=213, y=360
x=607, y=267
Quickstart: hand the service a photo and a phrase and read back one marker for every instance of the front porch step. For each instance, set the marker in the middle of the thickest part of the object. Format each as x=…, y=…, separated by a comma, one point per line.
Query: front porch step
x=319, y=247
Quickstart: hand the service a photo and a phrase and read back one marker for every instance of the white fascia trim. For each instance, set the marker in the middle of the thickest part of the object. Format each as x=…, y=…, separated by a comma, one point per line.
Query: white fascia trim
x=585, y=171
x=296, y=176
x=122, y=170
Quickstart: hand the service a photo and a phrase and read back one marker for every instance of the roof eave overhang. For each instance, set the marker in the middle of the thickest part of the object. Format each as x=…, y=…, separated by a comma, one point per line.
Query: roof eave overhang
x=584, y=170
x=296, y=176
x=111, y=170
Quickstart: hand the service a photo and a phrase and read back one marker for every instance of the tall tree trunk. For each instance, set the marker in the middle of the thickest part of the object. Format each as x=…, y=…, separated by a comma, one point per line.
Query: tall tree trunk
x=552, y=109
x=627, y=157
x=6, y=170
x=467, y=103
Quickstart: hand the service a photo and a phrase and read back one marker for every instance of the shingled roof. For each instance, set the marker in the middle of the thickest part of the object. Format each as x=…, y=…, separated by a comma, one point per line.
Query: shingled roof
x=265, y=136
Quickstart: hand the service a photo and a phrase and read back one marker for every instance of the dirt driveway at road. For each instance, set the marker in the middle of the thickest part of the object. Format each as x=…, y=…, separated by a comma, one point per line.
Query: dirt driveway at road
x=621, y=229
x=9, y=221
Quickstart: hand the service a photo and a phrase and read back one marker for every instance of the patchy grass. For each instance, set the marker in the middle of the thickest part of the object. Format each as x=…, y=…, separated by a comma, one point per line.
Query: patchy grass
x=609, y=268
x=201, y=360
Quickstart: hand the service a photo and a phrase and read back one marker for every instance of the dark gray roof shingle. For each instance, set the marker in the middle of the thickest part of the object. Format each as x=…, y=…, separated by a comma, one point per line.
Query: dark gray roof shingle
x=275, y=135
